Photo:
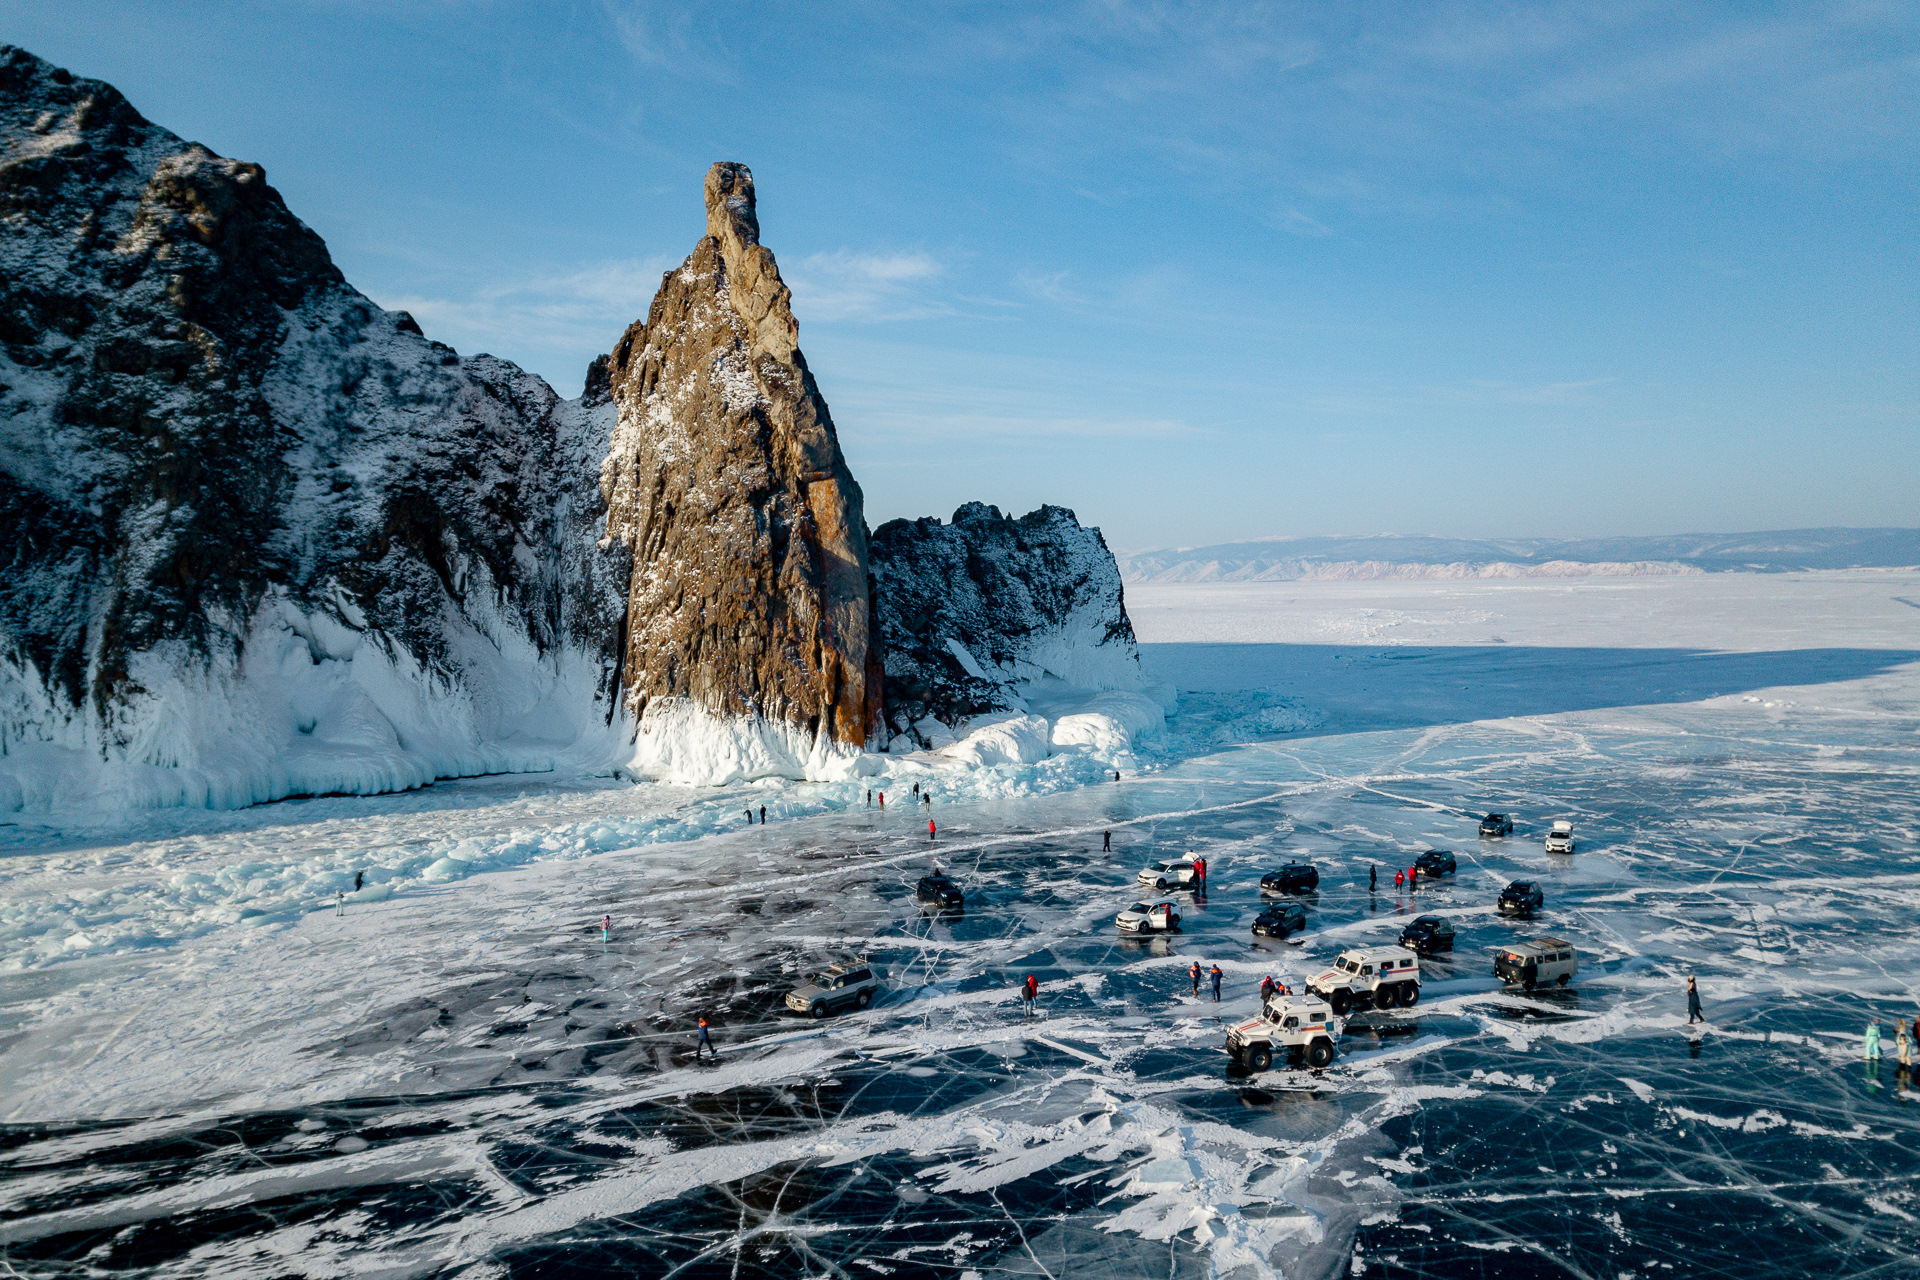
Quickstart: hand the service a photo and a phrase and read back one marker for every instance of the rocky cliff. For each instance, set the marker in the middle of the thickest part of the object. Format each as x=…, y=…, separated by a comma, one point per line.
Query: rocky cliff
x=265, y=537
x=972, y=612
x=750, y=634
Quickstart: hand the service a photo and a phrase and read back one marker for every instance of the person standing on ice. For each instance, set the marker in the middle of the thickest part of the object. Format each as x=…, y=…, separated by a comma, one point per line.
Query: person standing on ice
x=1106, y=841
x=869, y=797
x=1399, y=880
x=1266, y=988
x=1413, y=879
x=915, y=793
x=1216, y=984
x=1032, y=989
x=926, y=798
x=359, y=878
x=1373, y=878
x=1693, y=1003
x=929, y=828
x=1194, y=973
x=1903, y=1045
x=1873, y=1040
x=883, y=799
x=1200, y=875
x=763, y=815
x=706, y=1042
x=340, y=903
x=606, y=928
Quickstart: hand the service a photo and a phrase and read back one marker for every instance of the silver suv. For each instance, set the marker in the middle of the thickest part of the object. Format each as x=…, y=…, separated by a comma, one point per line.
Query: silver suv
x=1536, y=961
x=840, y=987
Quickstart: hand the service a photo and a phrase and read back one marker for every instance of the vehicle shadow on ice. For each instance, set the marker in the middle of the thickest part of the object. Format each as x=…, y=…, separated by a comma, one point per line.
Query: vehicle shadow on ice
x=1361, y=687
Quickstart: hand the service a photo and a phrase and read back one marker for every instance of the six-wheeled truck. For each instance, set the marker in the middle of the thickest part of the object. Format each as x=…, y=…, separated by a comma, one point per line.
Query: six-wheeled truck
x=1383, y=977
x=1296, y=1030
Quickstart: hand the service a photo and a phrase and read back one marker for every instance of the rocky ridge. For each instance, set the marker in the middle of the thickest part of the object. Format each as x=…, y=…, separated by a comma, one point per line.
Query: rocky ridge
x=750, y=613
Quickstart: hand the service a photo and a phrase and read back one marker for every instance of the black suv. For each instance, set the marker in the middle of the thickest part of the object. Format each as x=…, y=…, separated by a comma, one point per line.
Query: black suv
x=1496, y=824
x=938, y=891
x=1295, y=877
x=1435, y=862
x=1521, y=898
x=1279, y=921
x=1427, y=935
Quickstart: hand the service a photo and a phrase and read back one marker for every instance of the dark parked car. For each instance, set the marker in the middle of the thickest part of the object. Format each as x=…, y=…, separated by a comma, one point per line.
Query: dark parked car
x=1521, y=898
x=1427, y=935
x=1279, y=921
x=938, y=891
x=1435, y=862
x=1496, y=824
x=1295, y=877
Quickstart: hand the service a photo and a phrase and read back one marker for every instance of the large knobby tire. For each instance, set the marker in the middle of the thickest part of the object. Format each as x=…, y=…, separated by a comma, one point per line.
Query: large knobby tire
x=1260, y=1057
x=1529, y=978
x=1565, y=978
x=1409, y=994
x=817, y=1010
x=1340, y=1001
x=1319, y=1053
x=864, y=999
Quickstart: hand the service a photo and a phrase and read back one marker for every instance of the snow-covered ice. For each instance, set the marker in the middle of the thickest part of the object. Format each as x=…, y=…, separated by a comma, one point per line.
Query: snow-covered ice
x=205, y=1070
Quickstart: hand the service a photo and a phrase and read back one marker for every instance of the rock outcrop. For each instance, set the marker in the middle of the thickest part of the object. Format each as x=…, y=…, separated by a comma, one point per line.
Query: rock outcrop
x=750, y=608
x=264, y=536
x=971, y=611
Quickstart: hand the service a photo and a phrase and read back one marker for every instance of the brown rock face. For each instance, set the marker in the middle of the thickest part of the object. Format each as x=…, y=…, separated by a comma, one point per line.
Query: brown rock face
x=750, y=593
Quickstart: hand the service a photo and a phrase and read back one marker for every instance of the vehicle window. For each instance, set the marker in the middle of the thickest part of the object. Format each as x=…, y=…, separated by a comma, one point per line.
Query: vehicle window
x=1366, y=970
x=860, y=976
x=1291, y=1023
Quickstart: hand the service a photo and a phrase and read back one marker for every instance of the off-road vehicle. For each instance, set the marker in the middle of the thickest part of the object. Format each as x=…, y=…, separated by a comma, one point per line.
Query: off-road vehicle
x=1170, y=875
x=838, y=987
x=1298, y=1030
x=1295, y=877
x=1496, y=824
x=1380, y=976
x=1141, y=917
x=938, y=891
x=1427, y=935
x=1436, y=862
x=1560, y=839
x=1537, y=961
x=1280, y=920
x=1521, y=898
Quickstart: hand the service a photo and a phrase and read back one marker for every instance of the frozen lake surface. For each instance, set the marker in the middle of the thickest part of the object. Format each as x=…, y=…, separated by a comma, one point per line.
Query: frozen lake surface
x=204, y=1071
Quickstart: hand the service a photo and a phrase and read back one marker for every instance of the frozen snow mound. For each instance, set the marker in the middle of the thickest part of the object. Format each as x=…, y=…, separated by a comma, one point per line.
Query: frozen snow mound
x=1011, y=739
x=1108, y=726
x=681, y=741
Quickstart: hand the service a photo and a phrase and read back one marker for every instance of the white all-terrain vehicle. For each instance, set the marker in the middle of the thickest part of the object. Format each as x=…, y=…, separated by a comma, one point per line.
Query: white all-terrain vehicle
x=1379, y=976
x=1560, y=839
x=1296, y=1030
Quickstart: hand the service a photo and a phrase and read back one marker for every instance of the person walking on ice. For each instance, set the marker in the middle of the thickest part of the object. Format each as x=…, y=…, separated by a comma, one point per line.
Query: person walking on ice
x=1873, y=1039
x=1373, y=879
x=929, y=828
x=359, y=879
x=1106, y=841
x=1902, y=1044
x=1030, y=991
x=340, y=903
x=1216, y=984
x=706, y=1042
x=1399, y=880
x=763, y=815
x=1693, y=1003
x=1194, y=973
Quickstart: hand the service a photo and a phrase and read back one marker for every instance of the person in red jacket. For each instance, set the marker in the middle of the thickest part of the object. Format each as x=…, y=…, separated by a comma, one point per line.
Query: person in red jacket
x=1033, y=992
x=1413, y=878
x=1399, y=879
x=929, y=828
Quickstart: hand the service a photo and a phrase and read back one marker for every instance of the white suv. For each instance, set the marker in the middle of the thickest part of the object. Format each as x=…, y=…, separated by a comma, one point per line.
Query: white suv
x=1380, y=976
x=1170, y=875
x=1560, y=839
x=1141, y=917
x=1296, y=1029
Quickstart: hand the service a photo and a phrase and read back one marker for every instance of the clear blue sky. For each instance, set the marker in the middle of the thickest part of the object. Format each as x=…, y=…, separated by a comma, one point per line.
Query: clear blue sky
x=1200, y=272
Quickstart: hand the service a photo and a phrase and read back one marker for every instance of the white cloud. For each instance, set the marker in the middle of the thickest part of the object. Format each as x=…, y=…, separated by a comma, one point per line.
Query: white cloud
x=866, y=286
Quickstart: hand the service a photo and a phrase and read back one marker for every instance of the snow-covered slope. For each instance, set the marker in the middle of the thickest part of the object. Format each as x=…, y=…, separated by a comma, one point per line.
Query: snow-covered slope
x=267, y=538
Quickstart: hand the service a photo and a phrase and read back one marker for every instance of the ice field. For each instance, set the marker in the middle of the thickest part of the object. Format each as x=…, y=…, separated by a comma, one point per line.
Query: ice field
x=205, y=1071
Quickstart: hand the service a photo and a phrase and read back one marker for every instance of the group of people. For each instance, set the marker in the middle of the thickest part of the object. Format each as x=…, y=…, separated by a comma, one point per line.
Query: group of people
x=1408, y=879
x=1214, y=973
x=763, y=816
x=1903, y=1041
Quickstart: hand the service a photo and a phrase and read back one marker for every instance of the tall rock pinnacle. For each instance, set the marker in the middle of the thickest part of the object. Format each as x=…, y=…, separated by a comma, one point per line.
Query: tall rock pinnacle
x=750, y=594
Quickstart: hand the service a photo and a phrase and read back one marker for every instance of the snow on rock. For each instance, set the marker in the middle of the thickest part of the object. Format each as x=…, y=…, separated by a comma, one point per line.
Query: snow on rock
x=681, y=741
x=1010, y=739
x=974, y=612
x=267, y=538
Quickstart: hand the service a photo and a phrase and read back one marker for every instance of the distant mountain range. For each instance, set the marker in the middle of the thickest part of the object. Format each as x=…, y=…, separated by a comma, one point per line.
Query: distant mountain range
x=1389, y=555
